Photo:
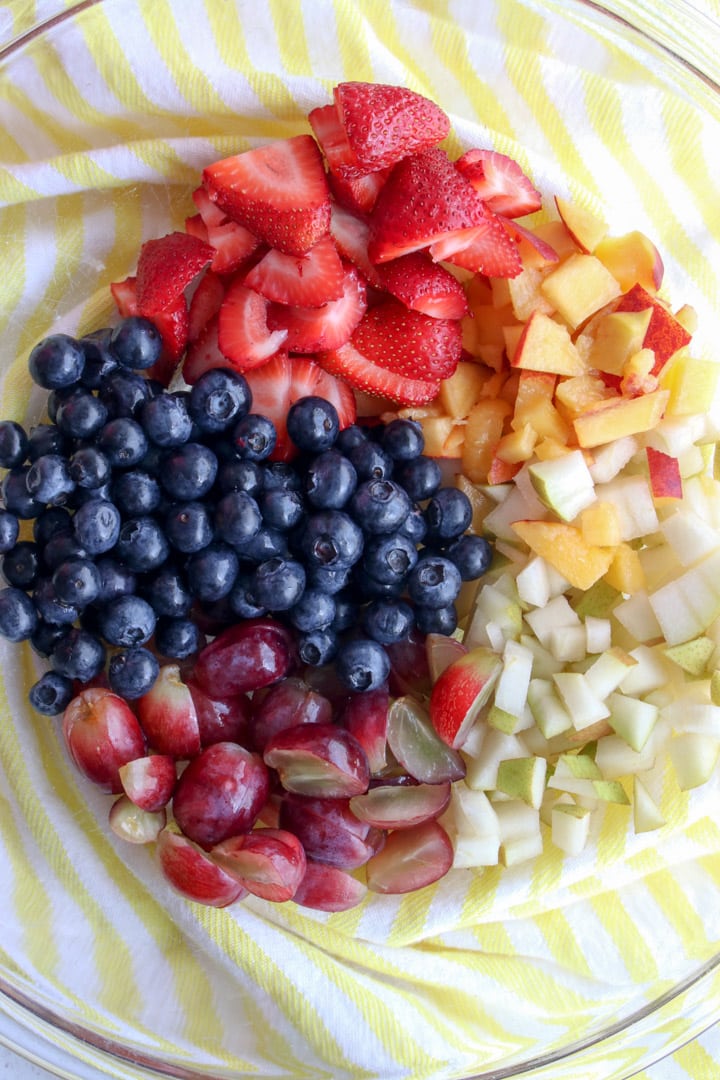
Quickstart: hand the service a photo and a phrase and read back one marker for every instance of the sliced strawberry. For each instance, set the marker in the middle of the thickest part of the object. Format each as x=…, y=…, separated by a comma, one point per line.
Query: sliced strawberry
x=500, y=182
x=195, y=226
x=331, y=135
x=362, y=374
x=203, y=353
x=407, y=342
x=281, y=381
x=485, y=249
x=533, y=250
x=359, y=193
x=423, y=201
x=351, y=234
x=243, y=333
x=302, y=280
x=278, y=191
x=385, y=123
x=233, y=245
x=423, y=285
x=326, y=327
x=124, y=293
x=210, y=213
x=205, y=303
x=166, y=267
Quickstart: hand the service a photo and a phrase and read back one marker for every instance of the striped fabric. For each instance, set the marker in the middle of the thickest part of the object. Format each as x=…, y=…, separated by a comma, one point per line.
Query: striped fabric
x=106, y=121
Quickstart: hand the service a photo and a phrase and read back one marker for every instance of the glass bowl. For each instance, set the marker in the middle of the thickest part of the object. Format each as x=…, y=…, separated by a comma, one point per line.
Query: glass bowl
x=110, y=109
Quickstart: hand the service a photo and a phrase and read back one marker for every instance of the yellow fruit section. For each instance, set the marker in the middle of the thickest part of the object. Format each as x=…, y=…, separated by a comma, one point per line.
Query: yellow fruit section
x=565, y=548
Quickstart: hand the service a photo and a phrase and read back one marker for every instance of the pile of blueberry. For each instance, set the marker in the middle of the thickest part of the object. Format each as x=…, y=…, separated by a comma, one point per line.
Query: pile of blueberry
x=155, y=513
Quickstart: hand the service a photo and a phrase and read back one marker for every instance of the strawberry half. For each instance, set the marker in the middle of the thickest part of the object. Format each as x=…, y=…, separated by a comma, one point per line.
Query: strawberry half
x=203, y=353
x=424, y=286
x=360, y=193
x=243, y=333
x=386, y=123
x=303, y=280
x=500, y=182
x=281, y=381
x=166, y=267
x=423, y=201
x=533, y=250
x=485, y=249
x=351, y=234
x=310, y=329
x=278, y=191
x=407, y=342
x=333, y=140
x=205, y=303
x=361, y=373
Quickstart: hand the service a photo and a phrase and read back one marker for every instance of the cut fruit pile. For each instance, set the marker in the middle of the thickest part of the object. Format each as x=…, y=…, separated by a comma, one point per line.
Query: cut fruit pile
x=557, y=386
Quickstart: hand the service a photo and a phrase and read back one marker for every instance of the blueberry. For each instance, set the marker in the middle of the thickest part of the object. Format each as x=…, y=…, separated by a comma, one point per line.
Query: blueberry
x=328, y=579
x=124, y=392
x=177, y=638
x=21, y=565
x=136, y=343
x=448, y=515
x=154, y=461
x=434, y=581
x=414, y=527
x=380, y=506
x=89, y=468
x=82, y=415
x=315, y=610
x=9, y=530
x=313, y=423
x=420, y=478
x=317, y=647
x=77, y=582
x=237, y=518
x=78, y=655
x=189, y=472
x=13, y=444
x=267, y=543
x=278, y=584
x=50, y=607
x=136, y=493
x=18, y=615
x=242, y=601
x=254, y=437
x=240, y=476
x=388, y=559
x=370, y=461
x=436, y=620
x=56, y=361
x=472, y=556
x=362, y=664
x=46, y=439
x=403, y=440
x=132, y=672
x=388, y=621
x=347, y=613
x=96, y=525
x=330, y=480
x=211, y=573
x=168, y=594
x=60, y=547
x=46, y=637
x=48, y=479
x=166, y=420
x=51, y=694
x=219, y=398
x=189, y=527
x=280, y=475
x=50, y=522
x=142, y=544
x=116, y=579
x=281, y=509
x=349, y=437
x=99, y=361
x=127, y=620
x=331, y=539
x=15, y=495
x=123, y=442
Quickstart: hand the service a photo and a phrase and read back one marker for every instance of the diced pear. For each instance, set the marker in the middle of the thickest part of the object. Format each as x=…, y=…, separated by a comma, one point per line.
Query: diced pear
x=521, y=849
x=597, y=601
x=550, y=714
x=570, y=827
x=543, y=621
x=692, y=656
x=472, y=812
x=618, y=336
x=523, y=778
x=608, y=460
x=607, y=672
x=633, y=720
x=579, y=700
x=470, y=851
x=634, y=505
x=598, y=634
x=686, y=606
x=544, y=663
x=481, y=774
x=690, y=537
x=694, y=758
x=563, y=484
x=563, y=547
x=647, y=815
x=532, y=582
x=493, y=606
x=637, y=615
x=511, y=687
x=580, y=286
x=715, y=687
x=545, y=345
x=586, y=228
x=568, y=643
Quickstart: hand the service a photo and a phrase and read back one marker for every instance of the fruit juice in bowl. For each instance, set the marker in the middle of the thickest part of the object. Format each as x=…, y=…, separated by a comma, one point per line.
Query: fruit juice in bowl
x=557, y=744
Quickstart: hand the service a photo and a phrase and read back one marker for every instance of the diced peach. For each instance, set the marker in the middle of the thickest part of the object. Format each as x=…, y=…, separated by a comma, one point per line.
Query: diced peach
x=526, y=294
x=632, y=259
x=687, y=316
x=637, y=376
x=459, y=393
x=502, y=472
x=437, y=431
x=617, y=336
x=557, y=236
x=484, y=326
x=512, y=335
x=565, y=548
x=452, y=447
x=600, y=524
x=579, y=287
x=478, y=291
x=664, y=335
x=517, y=446
x=545, y=345
x=580, y=393
x=586, y=228
x=481, y=503
x=483, y=431
x=625, y=572
x=617, y=417
x=664, y=473
x=549, y=448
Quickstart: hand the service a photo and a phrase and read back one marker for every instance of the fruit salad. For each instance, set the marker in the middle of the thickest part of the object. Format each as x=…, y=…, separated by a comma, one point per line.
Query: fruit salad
x=378, y=536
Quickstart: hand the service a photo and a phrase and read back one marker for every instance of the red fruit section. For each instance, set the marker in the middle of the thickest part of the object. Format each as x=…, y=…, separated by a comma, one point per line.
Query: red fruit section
x=248, y=656
x=220, y=793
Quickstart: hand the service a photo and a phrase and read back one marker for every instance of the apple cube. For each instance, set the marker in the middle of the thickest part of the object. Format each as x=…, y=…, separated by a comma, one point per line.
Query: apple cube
x=664, y=471
x=579, y=287
x=545, y=345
